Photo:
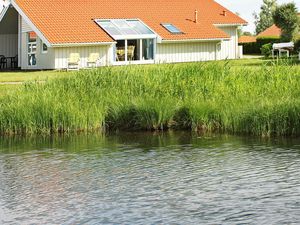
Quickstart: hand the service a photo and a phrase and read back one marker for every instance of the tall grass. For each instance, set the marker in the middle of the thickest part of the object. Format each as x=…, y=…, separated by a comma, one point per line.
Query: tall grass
x=206, y=97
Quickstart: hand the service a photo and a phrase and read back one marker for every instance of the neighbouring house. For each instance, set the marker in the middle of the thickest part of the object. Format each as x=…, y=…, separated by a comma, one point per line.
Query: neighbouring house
x=45, y=33
x=247, y=39
x=253, y=44
x=273, y=32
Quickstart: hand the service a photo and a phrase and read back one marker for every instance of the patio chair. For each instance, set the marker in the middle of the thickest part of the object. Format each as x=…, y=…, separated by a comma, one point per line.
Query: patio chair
x=73, y=61
x=92, y=60
x=14, y=62
x=130, y=52
x=3, y=62
x=120, y=54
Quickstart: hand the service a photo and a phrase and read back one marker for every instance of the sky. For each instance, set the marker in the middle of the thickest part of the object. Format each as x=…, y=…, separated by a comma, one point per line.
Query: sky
x=245, y=8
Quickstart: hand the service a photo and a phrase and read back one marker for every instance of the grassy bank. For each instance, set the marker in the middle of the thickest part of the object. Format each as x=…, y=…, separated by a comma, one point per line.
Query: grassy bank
x=207, y=97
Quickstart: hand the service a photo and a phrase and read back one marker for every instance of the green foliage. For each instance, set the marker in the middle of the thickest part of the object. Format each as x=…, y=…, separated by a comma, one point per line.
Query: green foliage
x=255, y=48
x=206, y=97
x=265, y=17
x=297, y=46
x=266, y=50
x=286, y=18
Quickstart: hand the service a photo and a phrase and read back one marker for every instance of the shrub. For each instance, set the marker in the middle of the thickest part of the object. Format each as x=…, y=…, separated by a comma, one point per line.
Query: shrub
x=266, y=50
x=297, y=46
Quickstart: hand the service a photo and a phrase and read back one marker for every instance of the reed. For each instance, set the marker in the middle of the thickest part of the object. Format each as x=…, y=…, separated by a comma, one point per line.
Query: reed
x=206, y=97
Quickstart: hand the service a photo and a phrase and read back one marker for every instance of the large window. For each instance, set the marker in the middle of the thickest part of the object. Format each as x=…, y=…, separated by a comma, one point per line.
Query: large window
x=120, y=29
x=134, y=50
x=32, y=37
x=135, y=41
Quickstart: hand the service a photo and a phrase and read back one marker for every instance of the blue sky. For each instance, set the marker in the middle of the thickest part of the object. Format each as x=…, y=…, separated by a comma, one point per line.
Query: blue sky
x=246, y=8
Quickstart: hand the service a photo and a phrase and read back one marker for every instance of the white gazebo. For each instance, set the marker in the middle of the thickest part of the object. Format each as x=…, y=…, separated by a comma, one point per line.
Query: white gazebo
x=282, y=48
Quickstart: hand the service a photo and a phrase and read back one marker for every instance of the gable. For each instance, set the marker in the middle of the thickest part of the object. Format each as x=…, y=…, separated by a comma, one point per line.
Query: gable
x=9, y=21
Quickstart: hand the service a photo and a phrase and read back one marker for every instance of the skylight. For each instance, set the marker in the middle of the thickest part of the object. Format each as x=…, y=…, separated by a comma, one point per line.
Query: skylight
x=120, y=29
x=171, y=28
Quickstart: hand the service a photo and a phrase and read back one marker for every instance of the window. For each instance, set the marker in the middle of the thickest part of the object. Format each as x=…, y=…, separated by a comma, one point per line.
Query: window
x=134, y=40
x=148, y=49
x=120, y=29
x=31, y=47
x=171, y=28
x=44, y=48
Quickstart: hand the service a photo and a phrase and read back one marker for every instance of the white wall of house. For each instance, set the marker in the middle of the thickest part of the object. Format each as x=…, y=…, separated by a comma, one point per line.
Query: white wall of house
x=3, y=3
x=185, y=52
x=44, y=60
x=229, y=48
x=57, y=58
x=61, y=55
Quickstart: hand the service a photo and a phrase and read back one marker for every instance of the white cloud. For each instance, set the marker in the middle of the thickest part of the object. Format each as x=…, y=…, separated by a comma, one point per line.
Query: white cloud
x=246, y=8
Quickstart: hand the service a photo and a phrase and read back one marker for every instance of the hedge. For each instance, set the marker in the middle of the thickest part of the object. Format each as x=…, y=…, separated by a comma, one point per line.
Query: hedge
x=254, y=47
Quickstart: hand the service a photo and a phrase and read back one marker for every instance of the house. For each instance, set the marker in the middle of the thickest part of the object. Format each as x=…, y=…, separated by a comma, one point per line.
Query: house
x=44, y=33
x=271, y=32
x=247, y=39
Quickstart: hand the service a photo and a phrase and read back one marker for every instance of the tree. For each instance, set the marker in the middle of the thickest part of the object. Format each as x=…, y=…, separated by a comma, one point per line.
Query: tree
x=286, y=18
x=265, y=18
x=247, y=33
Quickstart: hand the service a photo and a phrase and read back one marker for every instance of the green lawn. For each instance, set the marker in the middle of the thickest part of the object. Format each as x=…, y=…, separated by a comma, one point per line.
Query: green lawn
x=22, y=76
x=9, y=81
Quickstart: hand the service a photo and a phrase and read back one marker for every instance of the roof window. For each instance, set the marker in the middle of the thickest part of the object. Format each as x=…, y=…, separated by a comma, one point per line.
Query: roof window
x=119, y=29
x=171, y=28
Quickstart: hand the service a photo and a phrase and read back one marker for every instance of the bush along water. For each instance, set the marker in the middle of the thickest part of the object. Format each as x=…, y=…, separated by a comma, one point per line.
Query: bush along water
x=205, y=97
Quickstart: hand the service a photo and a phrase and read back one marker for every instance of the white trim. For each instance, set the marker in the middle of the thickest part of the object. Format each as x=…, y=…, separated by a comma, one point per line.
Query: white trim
x=61, y=45
x=134, y=62
x=194, y=40
x=42, y=48
x=134, y=37
x=3, y=12
x=28, y=21
x=20, y=40
x=126, y=50
x=229, y=24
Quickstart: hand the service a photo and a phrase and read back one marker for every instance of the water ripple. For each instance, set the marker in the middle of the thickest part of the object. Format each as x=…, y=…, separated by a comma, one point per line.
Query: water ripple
x=201, y=181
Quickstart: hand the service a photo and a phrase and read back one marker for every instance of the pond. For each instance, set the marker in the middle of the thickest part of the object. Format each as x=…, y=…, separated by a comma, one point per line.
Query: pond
x=149, y=178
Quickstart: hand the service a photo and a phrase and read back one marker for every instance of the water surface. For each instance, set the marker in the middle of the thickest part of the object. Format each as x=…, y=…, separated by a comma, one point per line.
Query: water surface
x=171, y=178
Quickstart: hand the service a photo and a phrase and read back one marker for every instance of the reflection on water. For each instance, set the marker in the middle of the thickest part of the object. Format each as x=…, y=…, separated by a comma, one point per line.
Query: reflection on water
x=171, y=178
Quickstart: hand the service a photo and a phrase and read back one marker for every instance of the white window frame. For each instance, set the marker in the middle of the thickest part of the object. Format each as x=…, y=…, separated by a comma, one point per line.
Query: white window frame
x=42, y=48
x=30, y=46
x=141, y=60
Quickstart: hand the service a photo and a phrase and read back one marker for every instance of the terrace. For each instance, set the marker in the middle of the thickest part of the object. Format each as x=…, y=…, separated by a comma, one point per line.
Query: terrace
x=9, y=39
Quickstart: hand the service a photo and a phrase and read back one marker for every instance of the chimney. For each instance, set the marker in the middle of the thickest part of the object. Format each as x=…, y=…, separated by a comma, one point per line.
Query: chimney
x=224, y=13
x=196, y=16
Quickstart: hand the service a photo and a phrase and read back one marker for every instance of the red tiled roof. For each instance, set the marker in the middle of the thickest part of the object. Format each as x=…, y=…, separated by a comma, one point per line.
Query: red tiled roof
x=272, y=31
x=247, y=39
x=72, y=21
